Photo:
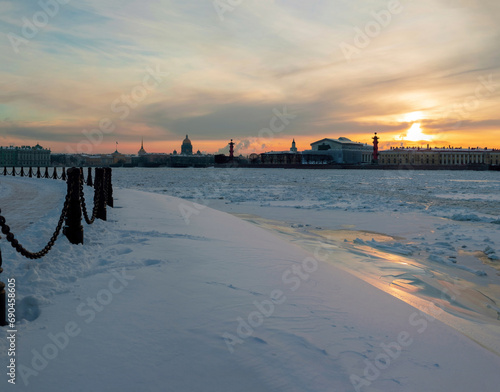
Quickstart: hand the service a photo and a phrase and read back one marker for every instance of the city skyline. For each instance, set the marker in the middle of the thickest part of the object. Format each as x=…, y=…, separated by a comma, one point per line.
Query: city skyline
x=79, y=76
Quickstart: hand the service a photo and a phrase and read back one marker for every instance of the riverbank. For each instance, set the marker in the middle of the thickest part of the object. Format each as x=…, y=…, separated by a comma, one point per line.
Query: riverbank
x=171, y=295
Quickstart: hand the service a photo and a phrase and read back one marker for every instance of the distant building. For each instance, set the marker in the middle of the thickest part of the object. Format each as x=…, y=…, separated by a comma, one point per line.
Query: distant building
x=439, y=156
x=24, y=156
x=114, y=159
x=493, y=158
x=96, y=160
x=341, y=150
x=191, y=160
x=292, y=157
x=155, y=159
x=121, y=159
x=142, y=151
x=281, y=158
x=187, y=147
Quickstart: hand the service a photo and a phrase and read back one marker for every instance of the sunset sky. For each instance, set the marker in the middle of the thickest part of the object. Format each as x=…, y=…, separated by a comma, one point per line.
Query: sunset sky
x=79, y=76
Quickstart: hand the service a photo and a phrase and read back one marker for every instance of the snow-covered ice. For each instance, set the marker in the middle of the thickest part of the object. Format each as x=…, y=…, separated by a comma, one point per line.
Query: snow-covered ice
x=313, y=282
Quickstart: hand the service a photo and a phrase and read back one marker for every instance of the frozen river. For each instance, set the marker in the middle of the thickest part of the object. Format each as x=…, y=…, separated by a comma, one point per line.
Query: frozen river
x=440, y=193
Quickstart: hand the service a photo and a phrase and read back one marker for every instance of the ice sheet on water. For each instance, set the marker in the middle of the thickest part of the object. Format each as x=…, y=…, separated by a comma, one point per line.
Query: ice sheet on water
x=469, y=218
x=441, y=193
x=394, y=247
x=441, y=260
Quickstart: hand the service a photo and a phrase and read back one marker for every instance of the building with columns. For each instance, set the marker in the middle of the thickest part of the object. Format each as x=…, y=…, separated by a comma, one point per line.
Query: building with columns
x=341, y=150
x=24, y=156
x=439, y=156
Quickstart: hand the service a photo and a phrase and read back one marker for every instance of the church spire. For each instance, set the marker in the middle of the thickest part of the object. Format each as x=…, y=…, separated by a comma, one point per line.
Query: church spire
x=142, y=151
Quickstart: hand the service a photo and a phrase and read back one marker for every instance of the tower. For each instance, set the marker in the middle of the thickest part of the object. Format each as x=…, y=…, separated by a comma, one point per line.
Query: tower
x=142, y=151
x=375, y=148
x=231, y=150
x=293, y=148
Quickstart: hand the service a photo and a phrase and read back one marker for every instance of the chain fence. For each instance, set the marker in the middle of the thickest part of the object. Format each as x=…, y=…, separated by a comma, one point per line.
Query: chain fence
x=38, y=173
x=73, y=208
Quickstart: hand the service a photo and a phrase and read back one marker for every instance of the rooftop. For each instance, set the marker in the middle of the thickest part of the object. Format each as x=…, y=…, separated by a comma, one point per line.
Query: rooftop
x=341, y=140
x=441, y=149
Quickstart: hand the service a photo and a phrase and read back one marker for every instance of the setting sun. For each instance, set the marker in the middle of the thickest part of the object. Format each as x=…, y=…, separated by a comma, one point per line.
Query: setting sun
x=415, y=134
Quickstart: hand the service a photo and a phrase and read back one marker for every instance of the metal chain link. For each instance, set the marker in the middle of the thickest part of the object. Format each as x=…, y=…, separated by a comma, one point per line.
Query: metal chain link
x=15, y=173
x=36, y=255
x=84, y=205
x=105, y=185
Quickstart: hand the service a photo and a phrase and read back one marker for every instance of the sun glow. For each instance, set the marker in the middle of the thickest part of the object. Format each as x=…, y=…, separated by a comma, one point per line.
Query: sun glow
x=412, y=117
x=415, y=134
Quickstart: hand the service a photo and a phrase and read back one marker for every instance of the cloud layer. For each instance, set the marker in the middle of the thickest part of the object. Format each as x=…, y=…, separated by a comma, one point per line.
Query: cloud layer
x=342, y=67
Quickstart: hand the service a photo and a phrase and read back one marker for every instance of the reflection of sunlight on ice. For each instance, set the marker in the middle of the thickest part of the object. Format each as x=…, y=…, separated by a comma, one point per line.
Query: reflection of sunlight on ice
x=433, y=289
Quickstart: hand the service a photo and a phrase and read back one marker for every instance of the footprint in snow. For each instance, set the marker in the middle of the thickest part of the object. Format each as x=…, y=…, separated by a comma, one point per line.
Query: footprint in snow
x=28, y=308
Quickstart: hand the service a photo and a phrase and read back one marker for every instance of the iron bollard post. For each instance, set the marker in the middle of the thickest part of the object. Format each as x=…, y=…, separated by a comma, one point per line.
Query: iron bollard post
x=46, y=175
x=38, y=174
x=63, y=175
x=74, y=229
x=22, y=171
x=100, y=194
x=13, y=171
x=30, y=172
x=3, y=310
x=89, y=176
x=5, y=170
x=54, y=174
x=109, y=187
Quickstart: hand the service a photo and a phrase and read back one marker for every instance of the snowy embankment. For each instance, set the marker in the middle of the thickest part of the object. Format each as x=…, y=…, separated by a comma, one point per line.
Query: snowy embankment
x=427, y=239
x=168, y=295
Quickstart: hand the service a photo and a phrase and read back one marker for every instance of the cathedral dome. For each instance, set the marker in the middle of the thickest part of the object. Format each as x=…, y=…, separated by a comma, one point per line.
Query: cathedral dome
x=186, y=148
